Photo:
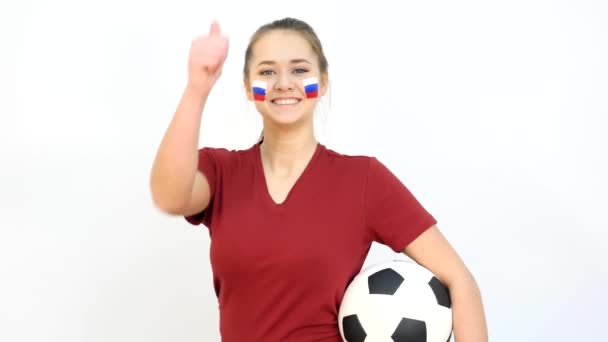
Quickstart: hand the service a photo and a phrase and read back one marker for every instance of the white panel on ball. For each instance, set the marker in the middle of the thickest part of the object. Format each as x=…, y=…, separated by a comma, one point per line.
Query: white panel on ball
x=396, y=301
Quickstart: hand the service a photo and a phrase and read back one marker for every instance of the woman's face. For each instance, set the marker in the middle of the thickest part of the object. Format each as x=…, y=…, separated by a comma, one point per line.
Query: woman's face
x=283, y=62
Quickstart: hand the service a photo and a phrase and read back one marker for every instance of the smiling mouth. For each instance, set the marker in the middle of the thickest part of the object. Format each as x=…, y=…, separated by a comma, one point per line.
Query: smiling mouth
x=286, y=101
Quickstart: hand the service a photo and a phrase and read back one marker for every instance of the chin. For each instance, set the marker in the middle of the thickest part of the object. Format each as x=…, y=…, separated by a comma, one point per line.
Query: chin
x=286, y=118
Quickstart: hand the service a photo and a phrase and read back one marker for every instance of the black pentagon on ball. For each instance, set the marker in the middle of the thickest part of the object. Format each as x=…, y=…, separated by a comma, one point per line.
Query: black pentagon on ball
x=410, y=330
x=353, y=330
x=386, y=281
x=442, y=294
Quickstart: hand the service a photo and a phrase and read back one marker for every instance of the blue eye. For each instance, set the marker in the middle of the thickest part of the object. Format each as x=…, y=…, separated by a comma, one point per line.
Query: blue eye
x=266, y=72
x=300, y=71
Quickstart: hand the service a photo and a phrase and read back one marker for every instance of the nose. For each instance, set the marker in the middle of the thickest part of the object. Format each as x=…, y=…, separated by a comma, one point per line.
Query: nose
x=284, y=82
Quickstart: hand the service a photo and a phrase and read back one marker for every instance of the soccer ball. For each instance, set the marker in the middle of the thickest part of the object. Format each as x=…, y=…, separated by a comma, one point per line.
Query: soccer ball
x=396, y=301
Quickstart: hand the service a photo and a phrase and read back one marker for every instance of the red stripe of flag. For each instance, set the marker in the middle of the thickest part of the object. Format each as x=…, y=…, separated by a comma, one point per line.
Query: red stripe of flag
x=312, y=94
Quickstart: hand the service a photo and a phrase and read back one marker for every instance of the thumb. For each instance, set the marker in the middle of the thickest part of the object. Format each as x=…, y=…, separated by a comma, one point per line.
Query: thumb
x=215, y=29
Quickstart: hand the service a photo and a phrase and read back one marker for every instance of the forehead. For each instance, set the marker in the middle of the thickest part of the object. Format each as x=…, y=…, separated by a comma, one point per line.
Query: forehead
x=282, y=45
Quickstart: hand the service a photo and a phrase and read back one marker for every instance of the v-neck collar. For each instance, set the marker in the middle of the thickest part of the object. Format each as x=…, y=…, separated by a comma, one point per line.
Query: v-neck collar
x=266, y=197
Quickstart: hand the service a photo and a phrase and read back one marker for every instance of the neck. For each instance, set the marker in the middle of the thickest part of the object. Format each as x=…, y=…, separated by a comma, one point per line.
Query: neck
x=283, y=152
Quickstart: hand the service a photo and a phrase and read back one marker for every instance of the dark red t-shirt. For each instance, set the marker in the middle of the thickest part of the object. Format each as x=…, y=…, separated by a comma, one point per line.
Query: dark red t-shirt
x=280, y=270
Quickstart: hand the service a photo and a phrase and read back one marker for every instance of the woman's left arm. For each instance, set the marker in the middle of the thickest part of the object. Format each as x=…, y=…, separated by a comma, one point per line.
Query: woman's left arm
x=432, y=250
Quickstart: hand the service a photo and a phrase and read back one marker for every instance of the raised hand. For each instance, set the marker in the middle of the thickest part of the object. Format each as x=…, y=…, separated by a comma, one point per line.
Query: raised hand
x=206, y=59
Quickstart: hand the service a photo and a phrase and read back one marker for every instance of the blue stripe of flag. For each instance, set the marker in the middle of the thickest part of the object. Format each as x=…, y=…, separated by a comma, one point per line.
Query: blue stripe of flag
x=259, y=91
x=311, y=87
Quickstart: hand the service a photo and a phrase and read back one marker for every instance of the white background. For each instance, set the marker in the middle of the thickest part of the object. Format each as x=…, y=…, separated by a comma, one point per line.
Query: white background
x=492, y=113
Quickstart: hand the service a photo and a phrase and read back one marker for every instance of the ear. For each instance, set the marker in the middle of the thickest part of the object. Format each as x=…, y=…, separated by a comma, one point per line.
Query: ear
x=323, y=84
x=248, y=90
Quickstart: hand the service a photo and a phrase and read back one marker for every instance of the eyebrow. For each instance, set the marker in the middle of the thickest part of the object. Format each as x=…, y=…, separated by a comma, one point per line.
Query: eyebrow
x=293, y=61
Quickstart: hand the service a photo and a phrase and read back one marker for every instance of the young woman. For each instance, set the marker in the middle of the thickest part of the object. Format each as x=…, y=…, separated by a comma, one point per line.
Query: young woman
x=291, y=221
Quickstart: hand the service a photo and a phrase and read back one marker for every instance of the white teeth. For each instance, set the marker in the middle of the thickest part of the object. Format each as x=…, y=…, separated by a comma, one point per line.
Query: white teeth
x=285, y=101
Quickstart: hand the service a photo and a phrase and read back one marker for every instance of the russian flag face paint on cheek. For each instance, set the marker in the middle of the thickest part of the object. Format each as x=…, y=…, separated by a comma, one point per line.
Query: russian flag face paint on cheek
x=311, y=87
x=259, y=90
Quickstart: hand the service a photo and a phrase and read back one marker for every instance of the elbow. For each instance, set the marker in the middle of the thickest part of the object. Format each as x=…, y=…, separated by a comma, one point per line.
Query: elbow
x=461, y=277
x=167, y=207
x=464, y=280
x=167, y=201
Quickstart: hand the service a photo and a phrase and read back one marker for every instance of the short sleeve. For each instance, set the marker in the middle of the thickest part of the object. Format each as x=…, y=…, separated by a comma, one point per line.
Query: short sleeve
x=208, y=164
x=393, y=215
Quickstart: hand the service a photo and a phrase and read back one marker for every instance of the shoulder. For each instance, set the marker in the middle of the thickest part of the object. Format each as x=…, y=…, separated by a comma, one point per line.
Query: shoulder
x=351, y=161
x=227, y=156
x=364, y=168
